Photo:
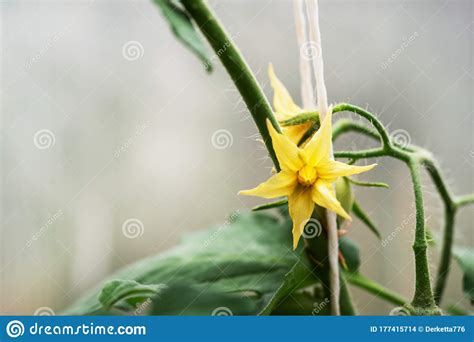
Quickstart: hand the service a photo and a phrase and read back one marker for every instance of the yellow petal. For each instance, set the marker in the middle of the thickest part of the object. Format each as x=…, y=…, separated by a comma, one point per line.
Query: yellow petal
x=323, y=194
x=301, y=207
x=295, y=133
x=281, y=184
x=286, y=151
x=318, y=149
x=330, y=170
x=283, y=104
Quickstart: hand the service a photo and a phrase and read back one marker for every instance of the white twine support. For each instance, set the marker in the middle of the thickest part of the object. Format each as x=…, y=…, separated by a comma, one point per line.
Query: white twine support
x=307, y=91
x=323, y=107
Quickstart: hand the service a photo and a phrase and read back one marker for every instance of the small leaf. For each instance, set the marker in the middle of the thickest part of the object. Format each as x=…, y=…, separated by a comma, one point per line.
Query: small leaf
x=183, y=29
x=361, y=215
x=465, y=259
x=369, y=184
x=350, y=252
x=270, y=205
x=125, y=294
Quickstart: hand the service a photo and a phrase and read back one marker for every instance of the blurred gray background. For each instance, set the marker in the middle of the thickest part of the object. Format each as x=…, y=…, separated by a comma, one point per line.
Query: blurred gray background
x=93, y=135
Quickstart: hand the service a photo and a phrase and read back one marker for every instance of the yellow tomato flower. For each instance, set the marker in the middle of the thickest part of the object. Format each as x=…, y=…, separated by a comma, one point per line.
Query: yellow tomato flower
x=285, y=108
x=307, y=176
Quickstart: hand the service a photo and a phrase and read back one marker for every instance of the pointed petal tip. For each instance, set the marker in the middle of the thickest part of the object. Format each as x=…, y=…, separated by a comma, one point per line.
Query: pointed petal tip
x=343, y=213
x=295, y=242
x=244, y=193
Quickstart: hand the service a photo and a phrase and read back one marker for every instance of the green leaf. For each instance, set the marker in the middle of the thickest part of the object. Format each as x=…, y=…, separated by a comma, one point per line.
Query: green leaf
x=350, y=252
x=361, y=215
x=304, y=303
x=183, y=29
x=193, y=300
x=126, y=294
x=249, y=255
x=465, y=259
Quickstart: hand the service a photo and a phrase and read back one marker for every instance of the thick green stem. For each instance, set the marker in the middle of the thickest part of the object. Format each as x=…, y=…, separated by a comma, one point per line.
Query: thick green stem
x=237, y=68
x=423, y=300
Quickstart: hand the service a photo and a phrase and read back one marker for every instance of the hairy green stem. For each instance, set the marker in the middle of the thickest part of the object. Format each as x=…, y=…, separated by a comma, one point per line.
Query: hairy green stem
x=344, y=125
x=451, y=204
x=239, y=71
x=423, y=299
x=448, y=238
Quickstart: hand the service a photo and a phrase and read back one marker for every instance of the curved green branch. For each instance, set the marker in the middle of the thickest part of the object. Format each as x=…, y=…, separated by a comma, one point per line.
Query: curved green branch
x=345, y=125
x=341, y=107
